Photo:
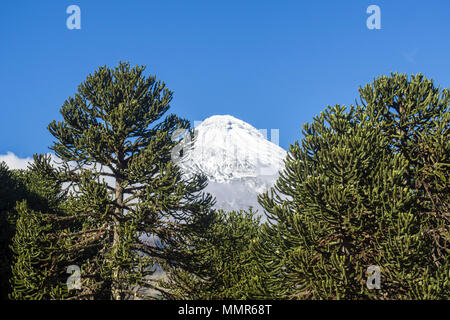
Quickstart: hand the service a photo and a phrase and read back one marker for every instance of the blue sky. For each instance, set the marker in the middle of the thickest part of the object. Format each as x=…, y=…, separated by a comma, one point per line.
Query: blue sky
x=274, y=64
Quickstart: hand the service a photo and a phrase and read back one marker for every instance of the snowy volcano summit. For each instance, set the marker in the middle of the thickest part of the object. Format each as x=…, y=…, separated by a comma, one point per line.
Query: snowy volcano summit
x=237, y=159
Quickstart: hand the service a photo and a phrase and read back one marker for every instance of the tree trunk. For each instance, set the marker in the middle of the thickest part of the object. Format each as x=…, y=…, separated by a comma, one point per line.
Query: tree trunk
x=115, y=289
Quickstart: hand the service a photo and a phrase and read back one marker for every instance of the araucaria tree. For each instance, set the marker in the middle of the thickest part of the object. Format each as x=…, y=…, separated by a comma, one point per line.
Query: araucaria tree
x=222, y=261
x=10, y=191
x=131, y=203
x=367, y=186
x=40, y=249
x=30, y=261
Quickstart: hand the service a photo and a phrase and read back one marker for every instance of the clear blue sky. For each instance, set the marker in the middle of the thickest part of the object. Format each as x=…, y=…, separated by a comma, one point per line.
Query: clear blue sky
x=274, y=64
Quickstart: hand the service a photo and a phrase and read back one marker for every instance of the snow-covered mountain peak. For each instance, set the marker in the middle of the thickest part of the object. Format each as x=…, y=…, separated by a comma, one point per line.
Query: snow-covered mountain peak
x=236, y=157
x=226, y=148
x=229, y=123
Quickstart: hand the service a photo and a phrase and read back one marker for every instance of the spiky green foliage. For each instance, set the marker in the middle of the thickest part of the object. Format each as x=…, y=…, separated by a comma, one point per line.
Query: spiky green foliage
x=37, y=263
x=9, y=193
x=18, y=186
x=224, y=252
x=131, y=202
x=33, y=278
x=367, y=186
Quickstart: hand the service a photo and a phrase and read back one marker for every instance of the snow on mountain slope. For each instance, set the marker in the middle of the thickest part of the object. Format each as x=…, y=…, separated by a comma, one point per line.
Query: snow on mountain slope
x=237, y=158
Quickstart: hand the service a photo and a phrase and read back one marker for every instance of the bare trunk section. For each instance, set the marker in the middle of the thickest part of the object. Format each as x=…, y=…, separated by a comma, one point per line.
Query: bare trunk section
x=115, y=288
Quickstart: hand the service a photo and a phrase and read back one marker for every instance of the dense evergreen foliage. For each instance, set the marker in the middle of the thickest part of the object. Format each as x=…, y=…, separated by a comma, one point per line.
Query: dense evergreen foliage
x=9, y=194
x=224, y=254
x=128, y=205
x=38, y=254
x=368, y=185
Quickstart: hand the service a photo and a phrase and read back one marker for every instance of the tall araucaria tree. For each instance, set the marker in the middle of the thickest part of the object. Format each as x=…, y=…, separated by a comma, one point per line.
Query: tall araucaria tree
x=133, y=204
x=367, y=186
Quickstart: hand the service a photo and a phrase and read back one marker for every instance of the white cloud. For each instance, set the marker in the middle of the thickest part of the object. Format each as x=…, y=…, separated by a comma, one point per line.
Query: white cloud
x=14, y=162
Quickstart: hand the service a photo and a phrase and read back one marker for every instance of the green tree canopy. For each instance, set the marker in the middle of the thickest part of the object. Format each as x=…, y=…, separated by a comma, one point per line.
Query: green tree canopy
x=37, y=262
x=223, y=256
x=367, y=185
x=127, y=203
x=10, y=192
